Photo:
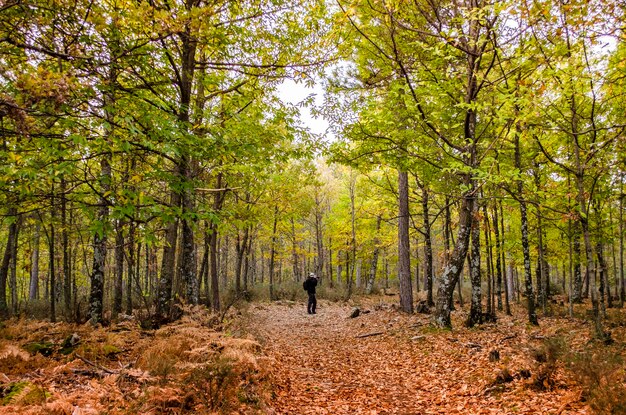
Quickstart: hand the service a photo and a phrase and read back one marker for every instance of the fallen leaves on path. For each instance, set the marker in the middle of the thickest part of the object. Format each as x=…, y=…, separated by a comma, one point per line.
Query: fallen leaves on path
x=326, y=364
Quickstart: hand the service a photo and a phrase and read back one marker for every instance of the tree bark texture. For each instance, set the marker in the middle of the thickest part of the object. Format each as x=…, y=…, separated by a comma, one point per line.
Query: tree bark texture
x=33, y=290
x=119, y=269
x=532, y=314
x=496, y=231
x=273, y=255
x=404, y=253
x=428, y=249
x=622, y=291
x=369, y=287
x=67, y=275
x=450, y=275
x=218, y=202
x=96, y=294
x=476, y=312
x=319, y=239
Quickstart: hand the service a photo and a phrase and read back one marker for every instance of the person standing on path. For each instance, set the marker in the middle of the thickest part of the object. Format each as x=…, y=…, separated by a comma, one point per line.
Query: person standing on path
x=309, y=286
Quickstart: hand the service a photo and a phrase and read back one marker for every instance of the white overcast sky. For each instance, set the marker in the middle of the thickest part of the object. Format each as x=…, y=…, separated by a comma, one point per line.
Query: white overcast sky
x=295, y=93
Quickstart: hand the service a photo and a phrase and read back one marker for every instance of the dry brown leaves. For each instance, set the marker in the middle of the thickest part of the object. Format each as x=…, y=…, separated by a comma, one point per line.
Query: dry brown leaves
x=182, y=368
x=323, y=366
x=382, y=362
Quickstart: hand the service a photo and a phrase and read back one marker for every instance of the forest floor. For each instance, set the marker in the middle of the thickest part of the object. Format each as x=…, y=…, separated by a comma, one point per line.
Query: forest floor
x=386, y=362
x=274, y=358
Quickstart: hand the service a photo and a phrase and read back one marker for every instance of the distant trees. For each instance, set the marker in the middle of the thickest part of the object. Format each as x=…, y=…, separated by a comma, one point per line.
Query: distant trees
x=146, y=160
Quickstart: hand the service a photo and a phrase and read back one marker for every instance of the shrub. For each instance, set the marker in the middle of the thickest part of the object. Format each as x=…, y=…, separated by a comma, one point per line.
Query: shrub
x=335, y=294
x=547, y=357
x=215, y=383
x=290, y=290
x=161, y=358
x=601, y=375
x=37, y=309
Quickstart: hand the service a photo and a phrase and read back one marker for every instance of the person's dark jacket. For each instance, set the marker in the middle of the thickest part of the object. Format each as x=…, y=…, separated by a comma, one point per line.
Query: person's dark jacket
x=309, y=285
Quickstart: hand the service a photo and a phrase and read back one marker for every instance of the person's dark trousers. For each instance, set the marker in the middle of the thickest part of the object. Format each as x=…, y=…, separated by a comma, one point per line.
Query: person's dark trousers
x=312, y=304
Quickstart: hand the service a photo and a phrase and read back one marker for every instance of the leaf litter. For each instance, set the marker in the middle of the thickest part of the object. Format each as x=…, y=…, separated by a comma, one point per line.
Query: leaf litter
x=188, y=367
x=387, y=362
x=276, y=359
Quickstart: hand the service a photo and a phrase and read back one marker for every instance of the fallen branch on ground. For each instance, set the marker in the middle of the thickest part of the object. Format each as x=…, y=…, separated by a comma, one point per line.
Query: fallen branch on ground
x=376, y=333
x=97, y=366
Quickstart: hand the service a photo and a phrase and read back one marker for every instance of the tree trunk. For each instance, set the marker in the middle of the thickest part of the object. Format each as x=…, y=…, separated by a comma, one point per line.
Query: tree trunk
x=447, y=227
x=543, y=279
x=374, y=263
x=476, y=312
x=491, y=307
x=339, y=269
x=349, y=273
x=543, y=269
x=189, y=252
x=532, y=314
x=223, y=259
x=386, y=262
x=584, y=224
x=132, y=273
x=186, y=165
x=218, y=200
x=215, y=292
x=273, y=254
x=351, y=249
x=516, y=286
x=428, y=249
x=319, y=239
x=578, y=278
x=603, y=278
x=614, y=260
x=622, y=291
x=507, y=290
x=204, y=266
x=33, y=292
x=294, y=252
x=571, y=268
x=119, y=269
x=241, y=247
x=168, y=265
x=459, y=286
x=96, y=293
x=404, y=253
x=417, y=266
x=67, y=277
x=496, y=230
x=13, y=275
x=452, y=271
x=262, y=261
x=246, y=264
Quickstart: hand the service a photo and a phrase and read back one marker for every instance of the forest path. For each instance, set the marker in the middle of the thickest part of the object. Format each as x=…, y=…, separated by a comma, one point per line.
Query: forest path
x=323, y=367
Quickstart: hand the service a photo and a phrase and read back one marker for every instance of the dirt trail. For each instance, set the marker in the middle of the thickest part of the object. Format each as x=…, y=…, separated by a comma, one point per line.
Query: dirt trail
x=323, y=367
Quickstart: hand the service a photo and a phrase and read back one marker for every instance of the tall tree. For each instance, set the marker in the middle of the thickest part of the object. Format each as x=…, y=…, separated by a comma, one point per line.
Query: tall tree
x=404, y=250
